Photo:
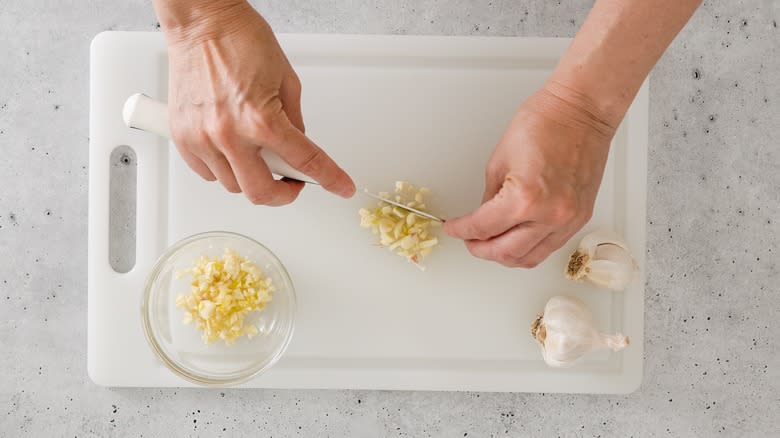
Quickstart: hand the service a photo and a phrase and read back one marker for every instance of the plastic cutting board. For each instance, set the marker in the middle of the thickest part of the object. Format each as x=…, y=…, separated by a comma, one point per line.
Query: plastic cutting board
x=424, y=109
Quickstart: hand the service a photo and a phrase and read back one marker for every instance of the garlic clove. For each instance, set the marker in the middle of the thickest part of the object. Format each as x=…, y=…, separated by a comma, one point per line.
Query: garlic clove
x=603, y=259
x=566, y=333
x=610, y=274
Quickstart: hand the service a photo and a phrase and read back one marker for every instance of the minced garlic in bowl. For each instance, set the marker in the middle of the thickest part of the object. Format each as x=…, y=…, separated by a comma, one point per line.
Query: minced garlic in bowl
x=219, y=308
x=223, y=292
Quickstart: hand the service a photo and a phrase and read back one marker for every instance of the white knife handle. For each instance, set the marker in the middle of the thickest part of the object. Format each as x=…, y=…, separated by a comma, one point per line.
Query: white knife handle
x=144, y=113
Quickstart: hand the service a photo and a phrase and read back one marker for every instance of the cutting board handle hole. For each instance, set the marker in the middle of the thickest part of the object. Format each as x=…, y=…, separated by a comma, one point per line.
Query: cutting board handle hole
x=123, y=182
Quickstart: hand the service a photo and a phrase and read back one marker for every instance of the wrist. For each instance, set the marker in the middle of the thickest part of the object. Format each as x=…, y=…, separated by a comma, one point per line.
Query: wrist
x=562, y=102
x=194, y=21
x=605, y=106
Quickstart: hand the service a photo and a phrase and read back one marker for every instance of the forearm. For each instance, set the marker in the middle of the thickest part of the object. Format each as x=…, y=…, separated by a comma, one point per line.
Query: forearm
x=194, y=20
x=617, y=46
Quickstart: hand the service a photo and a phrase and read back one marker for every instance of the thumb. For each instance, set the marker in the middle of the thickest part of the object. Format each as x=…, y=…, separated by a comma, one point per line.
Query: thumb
x=494, y=217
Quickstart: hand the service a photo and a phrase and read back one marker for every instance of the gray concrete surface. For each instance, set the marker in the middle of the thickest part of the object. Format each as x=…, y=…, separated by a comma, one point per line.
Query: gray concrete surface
x=712, y=299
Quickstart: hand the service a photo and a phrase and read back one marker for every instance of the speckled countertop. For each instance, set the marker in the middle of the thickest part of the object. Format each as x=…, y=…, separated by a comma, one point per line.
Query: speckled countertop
x=712, y=304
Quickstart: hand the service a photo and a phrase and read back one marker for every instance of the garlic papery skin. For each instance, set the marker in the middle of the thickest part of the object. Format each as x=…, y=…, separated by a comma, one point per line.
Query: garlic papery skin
x=566, y=333
x=603, y=259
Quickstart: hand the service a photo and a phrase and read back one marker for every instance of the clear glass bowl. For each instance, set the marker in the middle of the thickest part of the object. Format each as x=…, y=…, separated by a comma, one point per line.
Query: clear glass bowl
x=180, y=345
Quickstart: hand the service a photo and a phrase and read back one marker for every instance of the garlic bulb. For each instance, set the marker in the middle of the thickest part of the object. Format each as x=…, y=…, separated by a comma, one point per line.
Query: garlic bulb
x=566, y=332
x=603, y=259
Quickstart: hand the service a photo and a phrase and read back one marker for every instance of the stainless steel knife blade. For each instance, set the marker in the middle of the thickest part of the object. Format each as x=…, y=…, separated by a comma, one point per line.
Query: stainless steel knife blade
x=400, y=205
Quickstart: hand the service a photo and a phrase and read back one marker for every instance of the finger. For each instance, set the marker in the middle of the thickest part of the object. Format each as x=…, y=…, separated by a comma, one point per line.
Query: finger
x=256, y=180
x=492, y=186
x=290, y=94
x=494, y=177
x=543, y=249
x=497, y=215
x=510, y=247
x=302, y=154
x=220, y=167
x=196, y=164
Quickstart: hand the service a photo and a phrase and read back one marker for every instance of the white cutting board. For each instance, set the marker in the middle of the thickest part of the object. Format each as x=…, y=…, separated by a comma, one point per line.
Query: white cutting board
x=424, y=109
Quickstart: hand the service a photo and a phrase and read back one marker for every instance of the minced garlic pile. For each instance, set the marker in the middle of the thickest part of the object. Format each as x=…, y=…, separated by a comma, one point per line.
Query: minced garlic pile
x=402, y=231
x=223, y=292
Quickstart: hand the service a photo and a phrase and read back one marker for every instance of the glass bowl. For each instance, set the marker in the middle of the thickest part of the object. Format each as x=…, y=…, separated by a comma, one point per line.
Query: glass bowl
x=180, y=345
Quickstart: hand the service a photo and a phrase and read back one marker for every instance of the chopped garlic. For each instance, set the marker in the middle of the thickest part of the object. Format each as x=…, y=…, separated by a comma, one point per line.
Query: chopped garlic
x=399, y=230
x=223, y=292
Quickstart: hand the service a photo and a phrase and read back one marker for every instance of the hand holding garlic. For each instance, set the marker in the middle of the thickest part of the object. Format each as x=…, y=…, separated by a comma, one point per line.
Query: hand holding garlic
x=541, y=182
x=566, y=333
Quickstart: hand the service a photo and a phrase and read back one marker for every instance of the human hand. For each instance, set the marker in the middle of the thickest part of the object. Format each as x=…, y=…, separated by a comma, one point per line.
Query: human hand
x=232, y=92
x=541, y=180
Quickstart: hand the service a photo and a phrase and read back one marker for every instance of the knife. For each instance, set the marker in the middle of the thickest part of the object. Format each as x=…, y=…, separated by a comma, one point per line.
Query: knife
x=405, y=207
x=147, y=114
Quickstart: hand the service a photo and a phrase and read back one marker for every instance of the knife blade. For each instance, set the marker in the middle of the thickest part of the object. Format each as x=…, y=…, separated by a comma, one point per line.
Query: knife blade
x=405, y=207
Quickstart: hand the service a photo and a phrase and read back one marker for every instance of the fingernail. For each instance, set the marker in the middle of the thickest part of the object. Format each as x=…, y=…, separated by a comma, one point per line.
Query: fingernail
x=347, y=192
